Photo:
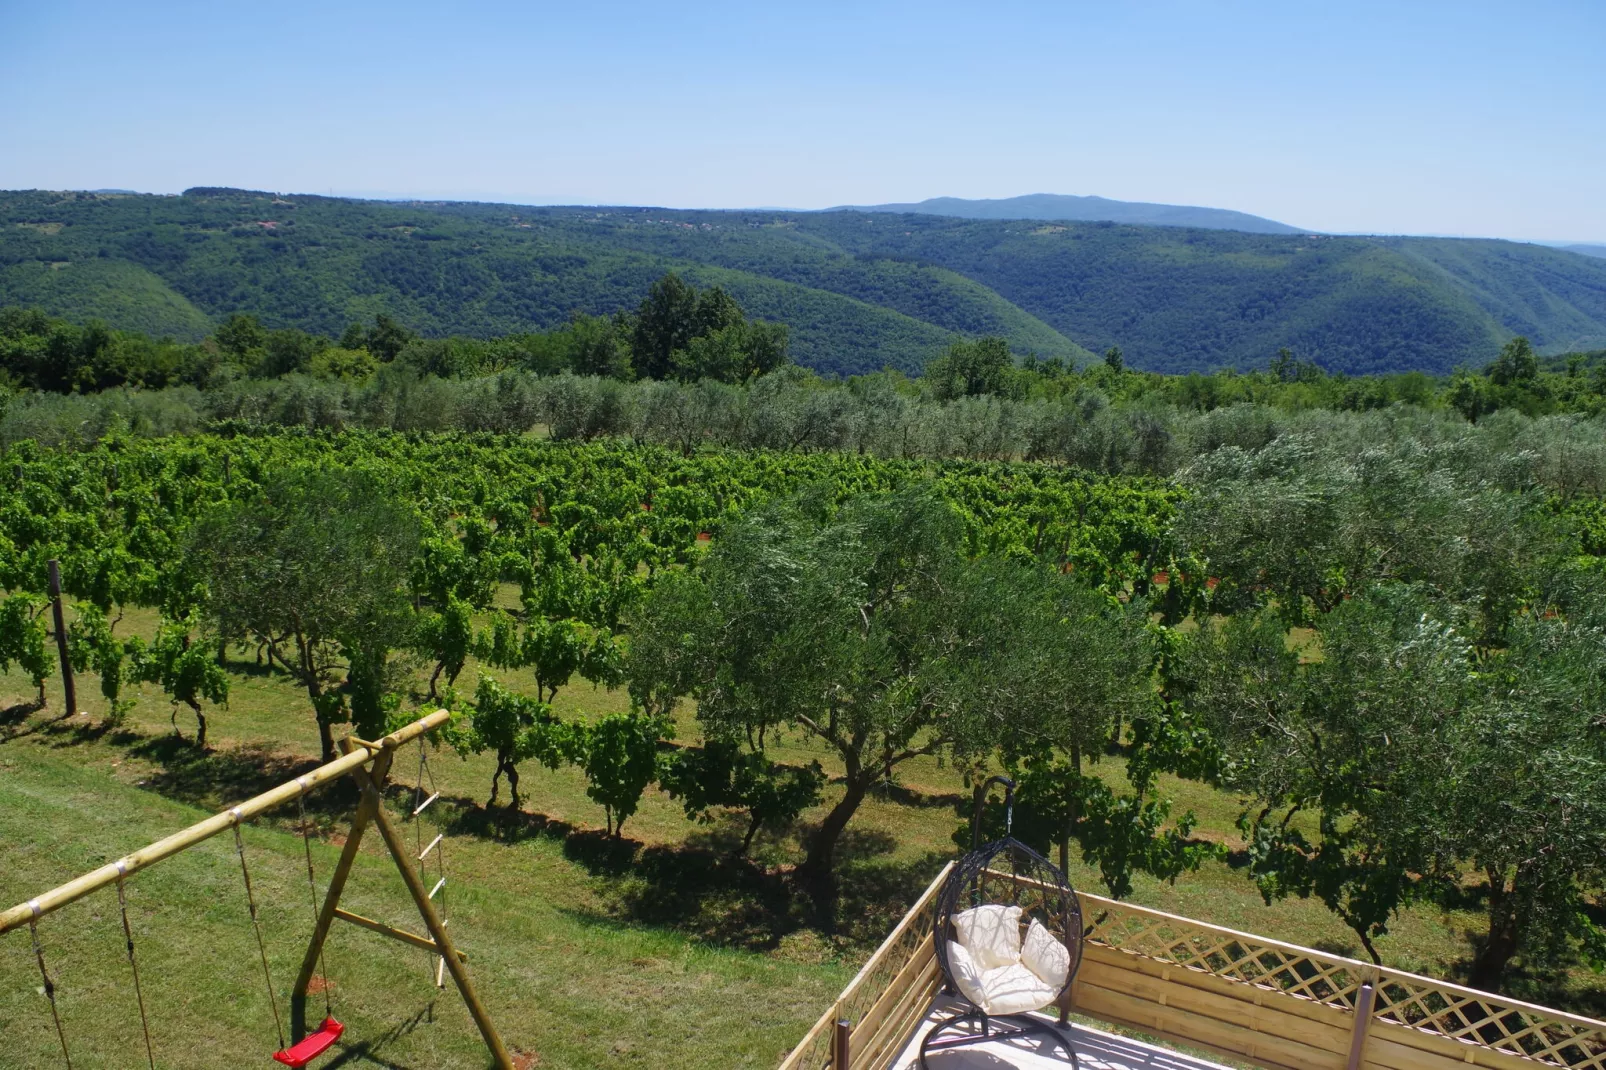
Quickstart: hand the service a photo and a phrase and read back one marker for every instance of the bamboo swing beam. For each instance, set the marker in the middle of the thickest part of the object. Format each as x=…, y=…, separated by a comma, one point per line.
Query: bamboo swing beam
x=150, y=854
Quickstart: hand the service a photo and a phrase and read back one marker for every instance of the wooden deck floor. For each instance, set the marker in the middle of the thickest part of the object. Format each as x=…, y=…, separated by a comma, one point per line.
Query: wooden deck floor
x=1095, y=1050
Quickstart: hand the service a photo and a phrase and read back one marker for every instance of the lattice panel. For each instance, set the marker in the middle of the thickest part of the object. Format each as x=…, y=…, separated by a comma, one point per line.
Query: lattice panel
x=1545, y=1036
x=1504, y=1025
x=1196, y=946
x=815, y=1051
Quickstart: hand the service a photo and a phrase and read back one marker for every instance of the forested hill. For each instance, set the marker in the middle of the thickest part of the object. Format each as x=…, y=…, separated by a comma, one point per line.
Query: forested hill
x=859, y=291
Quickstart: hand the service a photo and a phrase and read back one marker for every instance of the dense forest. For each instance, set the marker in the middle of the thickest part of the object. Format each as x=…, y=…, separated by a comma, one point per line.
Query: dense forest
x=859, y=292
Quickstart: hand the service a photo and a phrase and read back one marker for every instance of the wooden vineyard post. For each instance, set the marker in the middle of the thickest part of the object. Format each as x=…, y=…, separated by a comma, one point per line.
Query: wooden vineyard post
x=61, y=638
x=432, y=921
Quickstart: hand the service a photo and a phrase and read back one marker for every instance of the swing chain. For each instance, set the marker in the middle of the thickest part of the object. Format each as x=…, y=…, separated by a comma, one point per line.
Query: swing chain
x=50, y=986
x=128, y=936
x=262, y=948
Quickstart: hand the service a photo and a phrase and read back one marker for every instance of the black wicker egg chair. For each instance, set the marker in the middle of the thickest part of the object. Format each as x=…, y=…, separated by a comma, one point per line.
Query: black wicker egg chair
x=1005, y=873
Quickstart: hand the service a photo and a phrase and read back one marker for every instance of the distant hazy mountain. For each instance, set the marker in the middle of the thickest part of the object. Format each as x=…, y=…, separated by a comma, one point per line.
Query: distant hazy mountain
x=1587, y=250
x=1086, y=209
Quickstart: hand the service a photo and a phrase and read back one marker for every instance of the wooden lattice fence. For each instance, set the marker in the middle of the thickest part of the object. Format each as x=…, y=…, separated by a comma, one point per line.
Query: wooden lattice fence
x=1249, y=997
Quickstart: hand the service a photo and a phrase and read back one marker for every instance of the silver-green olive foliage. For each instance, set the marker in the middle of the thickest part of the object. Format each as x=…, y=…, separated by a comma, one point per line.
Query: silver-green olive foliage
x=318, y=559
x=1303, y=524
x=1404, y=758
x=868, y=628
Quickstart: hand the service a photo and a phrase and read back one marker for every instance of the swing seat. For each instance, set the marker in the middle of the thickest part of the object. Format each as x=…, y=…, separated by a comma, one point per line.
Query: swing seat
x=312, y=1045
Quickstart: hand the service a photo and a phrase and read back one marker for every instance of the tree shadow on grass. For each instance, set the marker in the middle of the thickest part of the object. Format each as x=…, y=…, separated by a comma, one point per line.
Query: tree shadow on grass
x=14, y=720
x=712, y=895
x=599, y=853
x=701, y=887
x=872, y=897
x=1343, y=948
x=704, y=888
x=502, y=823
x=70, y=732
x=905, y=796
x=593, y=849
x=215, y=779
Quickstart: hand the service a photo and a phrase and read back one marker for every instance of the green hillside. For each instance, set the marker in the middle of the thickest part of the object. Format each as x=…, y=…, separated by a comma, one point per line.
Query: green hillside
x=860, y=291
x=319, y=263
x=129, y=295
x=1179, y=300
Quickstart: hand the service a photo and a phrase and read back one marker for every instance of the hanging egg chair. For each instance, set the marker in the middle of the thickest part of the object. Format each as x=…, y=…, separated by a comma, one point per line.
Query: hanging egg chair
x=1008, y=938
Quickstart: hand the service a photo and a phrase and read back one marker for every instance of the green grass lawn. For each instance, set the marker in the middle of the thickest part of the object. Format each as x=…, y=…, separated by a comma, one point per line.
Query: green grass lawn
x=657, y=949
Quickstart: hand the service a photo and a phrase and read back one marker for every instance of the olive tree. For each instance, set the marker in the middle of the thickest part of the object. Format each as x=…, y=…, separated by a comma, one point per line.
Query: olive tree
x=1406, y=756
x=1305, y=523
x=1527, y=803
x=868, y=629
x=1342, y=755
x=320, y=559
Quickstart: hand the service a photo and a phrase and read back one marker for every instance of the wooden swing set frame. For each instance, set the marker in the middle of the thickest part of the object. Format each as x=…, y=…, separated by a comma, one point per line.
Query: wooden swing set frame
x=368, y=763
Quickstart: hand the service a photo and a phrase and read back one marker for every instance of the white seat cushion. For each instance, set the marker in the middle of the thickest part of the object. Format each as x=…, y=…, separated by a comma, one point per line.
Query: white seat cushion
x=991, y=934
x=966, y=974
x=1045, y=956
x=1014, y=990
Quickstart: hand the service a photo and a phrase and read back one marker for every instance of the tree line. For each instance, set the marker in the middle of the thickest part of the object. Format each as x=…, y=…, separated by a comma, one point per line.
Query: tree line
x=677, y=332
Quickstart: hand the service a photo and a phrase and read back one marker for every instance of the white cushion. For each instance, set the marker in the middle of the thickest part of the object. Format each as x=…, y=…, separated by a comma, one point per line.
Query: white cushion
x=1045, y=956
x=1014, y=990
x=966, y=974
x=991, y=934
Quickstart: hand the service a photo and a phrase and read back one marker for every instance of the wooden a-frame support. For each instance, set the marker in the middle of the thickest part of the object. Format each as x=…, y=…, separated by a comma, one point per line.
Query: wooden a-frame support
x=358, y=754
x=371, y=810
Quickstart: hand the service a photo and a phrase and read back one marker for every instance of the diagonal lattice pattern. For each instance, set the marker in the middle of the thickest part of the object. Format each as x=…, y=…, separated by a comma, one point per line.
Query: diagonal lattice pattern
x=1402, y=1000
x=1517, y=1028
x=1545, y=1036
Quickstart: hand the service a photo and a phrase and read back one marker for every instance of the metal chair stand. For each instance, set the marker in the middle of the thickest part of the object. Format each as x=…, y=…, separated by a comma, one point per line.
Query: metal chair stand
x=1024, y=1025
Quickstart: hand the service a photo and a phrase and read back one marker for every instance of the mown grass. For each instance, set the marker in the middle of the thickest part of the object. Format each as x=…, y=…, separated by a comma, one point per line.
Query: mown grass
x=562, y=973
x=659, y=948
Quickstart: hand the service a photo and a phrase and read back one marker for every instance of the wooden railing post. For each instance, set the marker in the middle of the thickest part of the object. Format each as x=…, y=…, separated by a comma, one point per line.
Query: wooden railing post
x=842, y=1045
x=1364, y=1000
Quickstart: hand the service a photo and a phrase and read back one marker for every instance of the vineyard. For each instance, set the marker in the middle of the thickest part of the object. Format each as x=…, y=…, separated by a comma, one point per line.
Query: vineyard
x=616, y=628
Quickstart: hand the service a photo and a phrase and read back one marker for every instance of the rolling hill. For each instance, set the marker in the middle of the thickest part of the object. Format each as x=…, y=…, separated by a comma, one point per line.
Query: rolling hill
x=1059, y=206
x=860, y=290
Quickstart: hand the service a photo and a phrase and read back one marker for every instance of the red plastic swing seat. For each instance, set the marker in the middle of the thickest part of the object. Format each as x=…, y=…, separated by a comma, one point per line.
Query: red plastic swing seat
x=312, y=1045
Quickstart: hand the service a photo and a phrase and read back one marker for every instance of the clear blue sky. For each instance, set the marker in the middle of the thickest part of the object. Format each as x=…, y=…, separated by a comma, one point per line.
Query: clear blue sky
x=1449, y=118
